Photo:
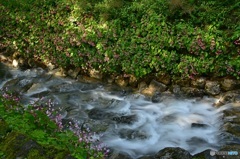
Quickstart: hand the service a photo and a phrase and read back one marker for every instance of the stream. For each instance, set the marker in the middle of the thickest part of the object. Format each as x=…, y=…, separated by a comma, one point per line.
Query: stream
x=127, y=121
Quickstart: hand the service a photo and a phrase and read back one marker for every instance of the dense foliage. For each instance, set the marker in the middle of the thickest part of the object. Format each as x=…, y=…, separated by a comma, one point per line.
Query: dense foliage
x=40, y=122
x=185, y=38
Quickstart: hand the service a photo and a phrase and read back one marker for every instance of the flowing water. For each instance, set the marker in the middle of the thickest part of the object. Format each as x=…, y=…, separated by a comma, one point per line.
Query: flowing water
x=128, y=121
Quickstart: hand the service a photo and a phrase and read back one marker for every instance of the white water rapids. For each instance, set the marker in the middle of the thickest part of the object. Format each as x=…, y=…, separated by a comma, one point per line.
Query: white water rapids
x=192, y=124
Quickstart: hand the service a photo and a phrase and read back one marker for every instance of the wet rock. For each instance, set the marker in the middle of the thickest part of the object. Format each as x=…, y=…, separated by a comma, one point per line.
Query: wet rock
x=86, y=79
x=95, y=74
x=229, y=139
x=212, y=87
x=164, y=78
x=230, y=148
x=125, y=119
x=232, y=128
x=109, y=79
x=196, y=141
x=176, y=89
x=4, y=73
x=173, y=153
x=99, y=114
x=18, y=85
x=132, y=134
x=232, y=115
x=73, y=72
x=229, y=97
x=192, y=92
x=133, y=81
x=204, y=155
x=153, y=87
x=60, y=72
x=96, y=125
x=199, y=82
x=122, y=82
x=182, y=82
x=51, y=66
x=142, y=85
x=230, y=84
x=118, y=155
x=12, y=82
x=198, y=125
x=156, y=98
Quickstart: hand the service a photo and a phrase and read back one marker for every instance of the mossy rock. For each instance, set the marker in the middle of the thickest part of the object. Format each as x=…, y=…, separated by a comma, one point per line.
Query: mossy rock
x=232, y=147
x=204, y=155
x=20, y=145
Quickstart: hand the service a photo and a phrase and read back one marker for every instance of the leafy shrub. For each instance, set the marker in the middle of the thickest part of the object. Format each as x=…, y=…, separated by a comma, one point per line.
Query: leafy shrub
x=180, y=37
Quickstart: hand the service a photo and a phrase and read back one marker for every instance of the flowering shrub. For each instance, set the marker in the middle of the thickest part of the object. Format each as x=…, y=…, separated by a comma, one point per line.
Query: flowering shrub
x=180, y=37
x=44, y=124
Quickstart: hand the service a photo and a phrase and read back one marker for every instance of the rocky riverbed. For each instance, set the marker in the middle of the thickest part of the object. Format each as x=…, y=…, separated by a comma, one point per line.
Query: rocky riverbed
x=162, y=118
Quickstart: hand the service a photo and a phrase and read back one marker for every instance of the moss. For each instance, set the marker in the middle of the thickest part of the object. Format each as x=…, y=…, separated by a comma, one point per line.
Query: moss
x=16, y=145
x=4, y=129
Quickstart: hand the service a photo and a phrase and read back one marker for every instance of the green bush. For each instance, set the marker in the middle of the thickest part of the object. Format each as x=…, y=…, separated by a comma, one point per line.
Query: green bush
x=180, y=37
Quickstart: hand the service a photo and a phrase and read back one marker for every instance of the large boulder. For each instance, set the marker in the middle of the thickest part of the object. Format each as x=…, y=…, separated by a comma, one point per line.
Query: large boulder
x=230, y=84
x=192, y=92
x=173, y=153
x=199, y=82
x=154, y=87
x=205, y=155
x=212, y=88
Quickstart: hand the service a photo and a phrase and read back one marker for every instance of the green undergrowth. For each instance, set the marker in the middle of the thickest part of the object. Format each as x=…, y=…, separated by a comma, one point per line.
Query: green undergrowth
x=184, y=38
x=30, y=133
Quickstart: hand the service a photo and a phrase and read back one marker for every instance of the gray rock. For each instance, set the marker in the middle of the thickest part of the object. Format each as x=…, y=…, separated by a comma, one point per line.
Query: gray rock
x=212, y=88
x=156, y=97
x=99, y=114
x=173, y=153
x=95, y=74
x=97, y=126
x=164, y=78
x=176, y=89
x=198, y=125
x=230, y=84
x=229, y=97
x=73, y=72
x=154, y=87
x=122, y=82
x=204, y=155
x=132, y=134
x=233, y=147
x=118, y=155
x=199, y=82
x=192, y=92
x=129, y=119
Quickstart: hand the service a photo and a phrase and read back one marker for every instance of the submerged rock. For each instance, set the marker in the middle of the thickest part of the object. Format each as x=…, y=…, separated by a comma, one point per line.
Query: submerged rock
x=132, y=134
x=198, y=125
x=127, y=119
